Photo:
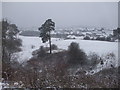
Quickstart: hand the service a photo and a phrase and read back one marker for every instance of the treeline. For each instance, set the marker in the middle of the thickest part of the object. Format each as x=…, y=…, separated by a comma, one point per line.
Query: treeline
x=116, y=33
x=108, y=38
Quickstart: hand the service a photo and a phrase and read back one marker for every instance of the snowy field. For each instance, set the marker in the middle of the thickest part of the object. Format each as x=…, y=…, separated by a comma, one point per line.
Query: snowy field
x=32, y=43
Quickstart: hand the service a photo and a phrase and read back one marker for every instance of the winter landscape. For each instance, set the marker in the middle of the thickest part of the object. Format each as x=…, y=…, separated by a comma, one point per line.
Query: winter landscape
x=73, y=53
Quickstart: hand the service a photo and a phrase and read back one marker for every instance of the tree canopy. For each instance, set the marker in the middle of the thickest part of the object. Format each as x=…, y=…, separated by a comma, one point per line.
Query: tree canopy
x=45, y=30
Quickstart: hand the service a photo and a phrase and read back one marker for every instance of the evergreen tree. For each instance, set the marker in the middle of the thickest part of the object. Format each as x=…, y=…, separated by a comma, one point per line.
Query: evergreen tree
x=10, y=42
x=45, y=31
x=10, y=45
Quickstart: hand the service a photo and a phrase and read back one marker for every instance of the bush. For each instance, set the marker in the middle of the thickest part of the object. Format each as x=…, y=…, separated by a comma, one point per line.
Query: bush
x=76, y=55
x=41, y=52
x=94, y=59
x=54, y=47
x=108, y=38
x=101, y=38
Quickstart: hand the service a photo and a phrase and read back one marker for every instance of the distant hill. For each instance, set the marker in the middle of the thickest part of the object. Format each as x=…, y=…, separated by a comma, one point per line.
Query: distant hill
x=30, y=33
x=36, y=34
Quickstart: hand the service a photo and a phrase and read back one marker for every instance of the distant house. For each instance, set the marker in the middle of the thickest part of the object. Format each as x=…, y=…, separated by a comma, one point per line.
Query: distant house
x=88, y=34
x=117, y=40
x=71, y=37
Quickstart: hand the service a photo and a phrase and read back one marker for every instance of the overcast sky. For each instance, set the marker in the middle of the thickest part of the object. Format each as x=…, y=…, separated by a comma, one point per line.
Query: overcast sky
x=0, y=11
x=88, y=14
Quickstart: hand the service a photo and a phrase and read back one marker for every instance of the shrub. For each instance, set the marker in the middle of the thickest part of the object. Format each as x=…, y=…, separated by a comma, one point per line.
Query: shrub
x=94, y=59
x=54, y=47
x=76, y=55
x=111, y=56
x=108, y=38
x=101, y=38
x=41, y=52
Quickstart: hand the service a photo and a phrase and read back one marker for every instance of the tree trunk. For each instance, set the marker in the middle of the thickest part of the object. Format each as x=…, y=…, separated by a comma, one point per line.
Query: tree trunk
x=50, y=43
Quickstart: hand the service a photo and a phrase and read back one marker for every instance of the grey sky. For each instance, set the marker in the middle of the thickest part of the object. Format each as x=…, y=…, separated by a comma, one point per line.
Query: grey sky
x=0, y=11
x=93, y=14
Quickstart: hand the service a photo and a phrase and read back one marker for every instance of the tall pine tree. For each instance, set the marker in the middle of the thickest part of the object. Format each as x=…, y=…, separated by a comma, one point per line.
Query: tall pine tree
x=45, y=31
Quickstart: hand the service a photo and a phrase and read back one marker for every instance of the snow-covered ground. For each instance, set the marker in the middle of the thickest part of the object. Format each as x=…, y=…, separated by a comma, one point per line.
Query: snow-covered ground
x=32, y=43
x=29, y=44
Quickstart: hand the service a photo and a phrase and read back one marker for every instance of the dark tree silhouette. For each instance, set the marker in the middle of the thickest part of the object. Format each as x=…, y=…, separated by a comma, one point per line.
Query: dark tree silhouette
x=76, y=55
x=10, y=42
x=45, y=31
x=10, y=45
